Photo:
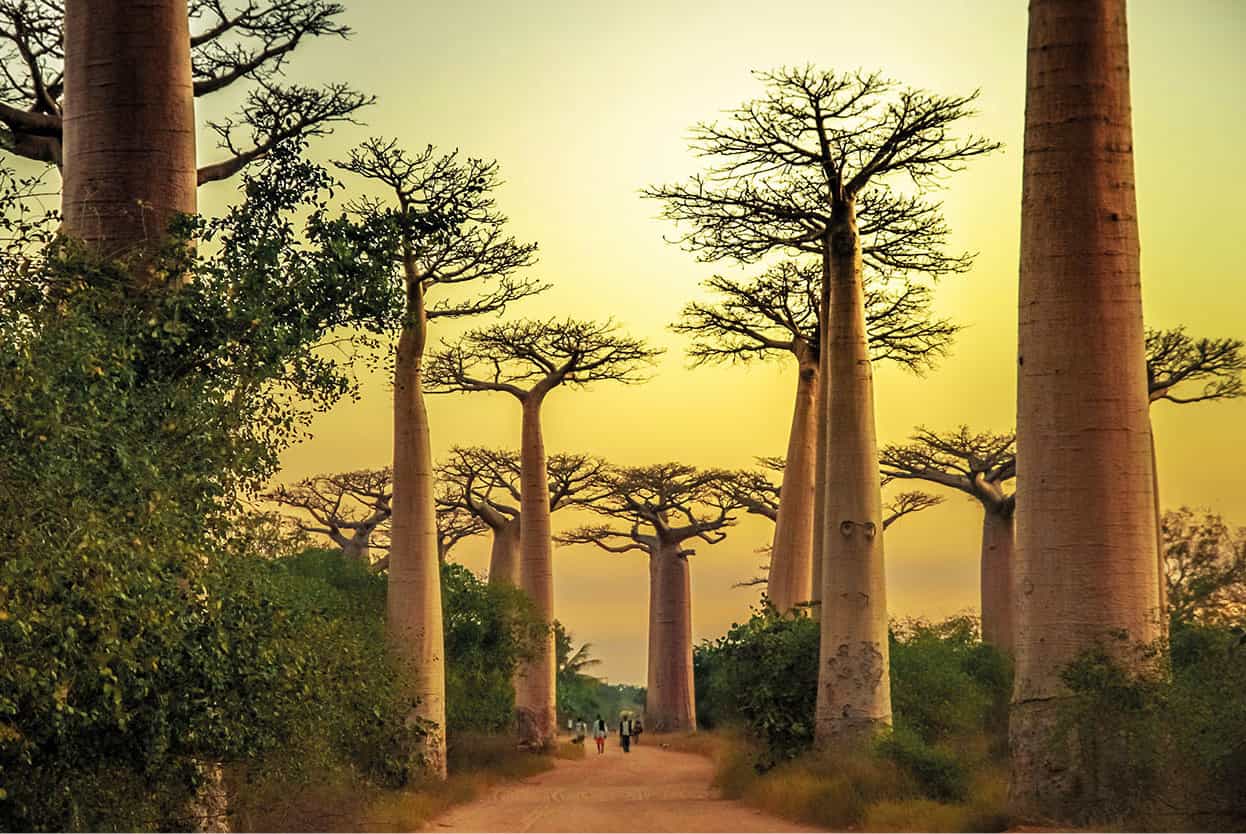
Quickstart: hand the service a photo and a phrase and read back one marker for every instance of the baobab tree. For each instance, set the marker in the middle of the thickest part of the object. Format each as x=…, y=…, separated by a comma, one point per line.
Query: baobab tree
x=528, y=360
x=128, y=124
x=1184, y=370
x=981, y=466
x=486, y=484
x=450, y=238
x=454, y=524
x=348, y=507
x=759, y=495
x=776, y=315
x=807, y=166
x=660, y=509
x=1085, y=524
x=216, y=45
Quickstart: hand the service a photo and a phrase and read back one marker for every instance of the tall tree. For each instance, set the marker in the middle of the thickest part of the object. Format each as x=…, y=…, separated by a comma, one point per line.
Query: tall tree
x=776, y=315
x=1086, y=537
x=528, y=360
x=759, y=495
x=451, y=237
x=1184, y=370
x=663, y=508
x=486, y=484
x=807, y=165
x=129, y=123
x=222, y=45
x=348, y=507
x=981, y=466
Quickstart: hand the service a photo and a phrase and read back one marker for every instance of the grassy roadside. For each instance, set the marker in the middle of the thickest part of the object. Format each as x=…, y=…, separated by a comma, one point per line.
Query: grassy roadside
x=859, y=792
x=335, y=800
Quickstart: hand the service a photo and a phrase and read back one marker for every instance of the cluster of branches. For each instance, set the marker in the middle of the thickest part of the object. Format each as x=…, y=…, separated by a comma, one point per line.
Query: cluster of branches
x=485, y=482
x=526, y=357
x=248, y=42
x=814, y=140
x=451, y=231
x=655, y=506
x=352, y=509
x=778, y=312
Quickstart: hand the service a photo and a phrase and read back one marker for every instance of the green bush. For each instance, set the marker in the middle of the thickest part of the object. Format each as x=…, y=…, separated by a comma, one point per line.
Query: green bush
x=489, y=629
x=763, y=674
x=940, y=773
x=1168, y=747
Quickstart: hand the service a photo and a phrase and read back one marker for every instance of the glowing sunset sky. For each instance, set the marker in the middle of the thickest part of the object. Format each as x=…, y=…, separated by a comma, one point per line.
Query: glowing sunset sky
x=585, y=103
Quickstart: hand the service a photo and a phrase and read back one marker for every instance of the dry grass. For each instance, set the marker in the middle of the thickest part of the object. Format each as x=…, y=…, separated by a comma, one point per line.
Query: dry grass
x=838, y=792
x=336, y=800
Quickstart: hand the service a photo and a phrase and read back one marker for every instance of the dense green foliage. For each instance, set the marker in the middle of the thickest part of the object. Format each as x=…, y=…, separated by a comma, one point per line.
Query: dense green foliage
x=1164, y=751
x=762, y=674
x=140, y=643
x=949, y=694
x=489, y=629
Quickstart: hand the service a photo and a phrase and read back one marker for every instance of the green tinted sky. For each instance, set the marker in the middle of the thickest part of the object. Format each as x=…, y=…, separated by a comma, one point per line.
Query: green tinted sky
x=585, y=103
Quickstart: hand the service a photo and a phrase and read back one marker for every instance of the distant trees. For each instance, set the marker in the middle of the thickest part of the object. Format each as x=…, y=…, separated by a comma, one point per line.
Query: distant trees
x=1205, y=568
x=1086, y=532
x=777, y=314
x=485, y=484
x=217, y=45
x=348, y=507
x=806, y=166
x=528, y=360
x=981, y=466
x=659, y=510
x=449, y=235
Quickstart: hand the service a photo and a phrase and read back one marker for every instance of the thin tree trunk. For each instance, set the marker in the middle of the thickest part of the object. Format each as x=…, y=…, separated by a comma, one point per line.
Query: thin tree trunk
x=535, y=685
x=996, y=580
x=820, y=442
x=854, y=691
x=413, y=599
x=791, y=556
x=1162, y=569
x=673, y=710
x=1086, y=549
x=504, y=554
x=129, y=123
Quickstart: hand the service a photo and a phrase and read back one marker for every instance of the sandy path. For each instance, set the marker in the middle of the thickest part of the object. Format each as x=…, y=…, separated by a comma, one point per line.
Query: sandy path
x=648, y=789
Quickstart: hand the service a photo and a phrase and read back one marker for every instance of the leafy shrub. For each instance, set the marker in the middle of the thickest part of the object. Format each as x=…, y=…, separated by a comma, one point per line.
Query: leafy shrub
x=489, y=629
x=1169, y=745
x=762, y=674
x=939, y=772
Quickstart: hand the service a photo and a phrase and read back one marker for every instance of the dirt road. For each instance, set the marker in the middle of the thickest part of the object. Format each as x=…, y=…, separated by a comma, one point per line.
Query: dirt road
x=648, y=789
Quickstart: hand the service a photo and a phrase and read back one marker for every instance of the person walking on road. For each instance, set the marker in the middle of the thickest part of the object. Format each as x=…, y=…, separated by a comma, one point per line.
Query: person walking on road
x=637, y=729
x=625, y=733
x=599, y=734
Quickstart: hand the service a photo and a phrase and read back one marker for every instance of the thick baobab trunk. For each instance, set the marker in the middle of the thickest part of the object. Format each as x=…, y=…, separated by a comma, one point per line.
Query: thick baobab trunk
x=129, y=123
x=997, y=577
x=673, y=708
x=534, y=685
x=791, y=557
x=504, y=553
x=654, y=696
x=413, y=598
x=356, y=549
x=854, y=685
x=1086, y=549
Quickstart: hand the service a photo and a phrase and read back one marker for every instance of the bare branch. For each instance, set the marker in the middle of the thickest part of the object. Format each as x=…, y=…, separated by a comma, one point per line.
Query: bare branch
x=1182, y=369
x=526, y=357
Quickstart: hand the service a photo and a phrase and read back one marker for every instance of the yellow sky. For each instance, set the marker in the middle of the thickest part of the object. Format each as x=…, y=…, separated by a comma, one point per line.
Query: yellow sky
x=584, y=103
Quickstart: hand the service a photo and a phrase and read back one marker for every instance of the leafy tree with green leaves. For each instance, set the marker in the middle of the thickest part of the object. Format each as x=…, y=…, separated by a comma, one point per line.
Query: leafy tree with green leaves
x=140, y=640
